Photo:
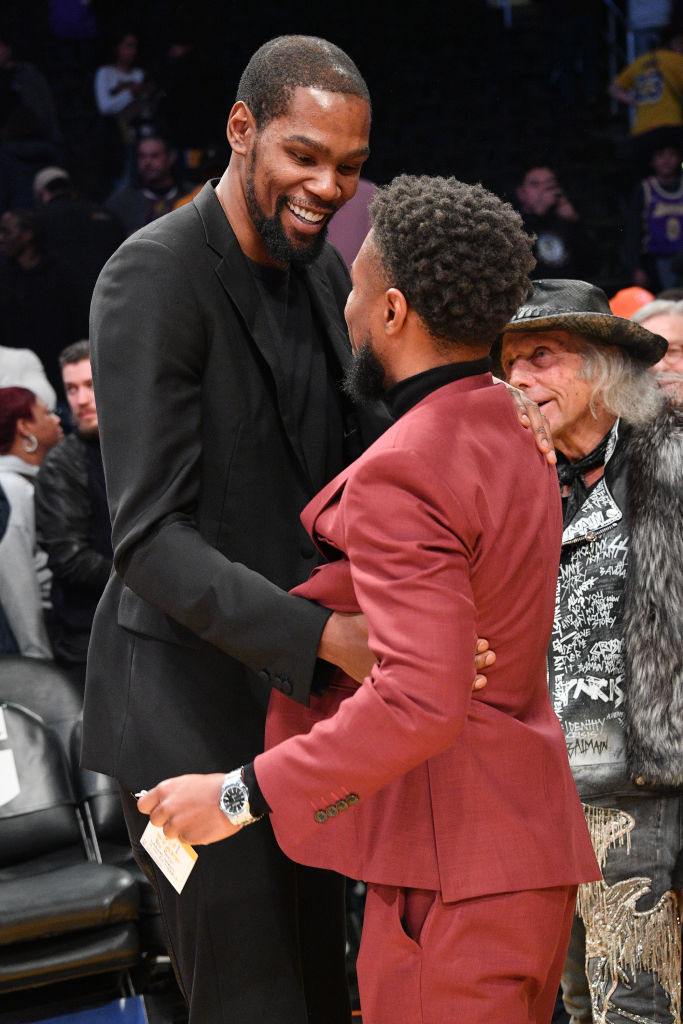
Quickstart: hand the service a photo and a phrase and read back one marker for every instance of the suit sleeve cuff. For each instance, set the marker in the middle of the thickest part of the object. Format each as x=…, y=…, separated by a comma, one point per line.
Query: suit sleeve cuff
x=257, y=802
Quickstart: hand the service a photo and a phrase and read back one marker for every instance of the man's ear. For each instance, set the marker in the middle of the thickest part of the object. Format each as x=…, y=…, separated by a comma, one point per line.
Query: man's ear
x=395, y=310
x=241, y=128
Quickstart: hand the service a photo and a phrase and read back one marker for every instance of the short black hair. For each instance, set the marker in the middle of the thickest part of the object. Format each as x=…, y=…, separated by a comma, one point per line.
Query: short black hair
x=458, y=253
x=287, y=62
x=535, y=163
x=76, y=352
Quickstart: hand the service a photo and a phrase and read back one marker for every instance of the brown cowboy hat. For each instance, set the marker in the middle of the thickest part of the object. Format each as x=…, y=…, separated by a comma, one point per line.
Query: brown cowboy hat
x=583, y=309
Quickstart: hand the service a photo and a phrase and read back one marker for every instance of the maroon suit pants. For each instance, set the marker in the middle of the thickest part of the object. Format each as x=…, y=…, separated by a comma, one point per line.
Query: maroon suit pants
x=489, y=960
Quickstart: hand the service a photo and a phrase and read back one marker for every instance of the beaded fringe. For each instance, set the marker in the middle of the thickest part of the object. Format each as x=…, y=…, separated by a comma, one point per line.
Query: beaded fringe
x=624, y=938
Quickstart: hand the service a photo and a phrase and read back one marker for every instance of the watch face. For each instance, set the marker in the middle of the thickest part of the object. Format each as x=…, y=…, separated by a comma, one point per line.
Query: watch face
x=234, y=799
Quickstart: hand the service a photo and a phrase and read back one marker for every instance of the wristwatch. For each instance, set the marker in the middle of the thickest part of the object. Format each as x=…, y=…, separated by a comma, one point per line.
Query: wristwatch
x=234, y=800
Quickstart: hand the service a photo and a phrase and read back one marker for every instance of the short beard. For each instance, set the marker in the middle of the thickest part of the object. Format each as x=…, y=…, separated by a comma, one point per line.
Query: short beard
x=273, y=236
x=364, y=381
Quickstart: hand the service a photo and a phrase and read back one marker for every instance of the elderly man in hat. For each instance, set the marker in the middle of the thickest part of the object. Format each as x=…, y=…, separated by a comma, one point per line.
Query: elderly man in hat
x=615, y=659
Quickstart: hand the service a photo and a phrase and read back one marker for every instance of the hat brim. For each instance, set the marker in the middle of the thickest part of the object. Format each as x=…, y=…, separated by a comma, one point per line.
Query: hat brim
x=601, y=327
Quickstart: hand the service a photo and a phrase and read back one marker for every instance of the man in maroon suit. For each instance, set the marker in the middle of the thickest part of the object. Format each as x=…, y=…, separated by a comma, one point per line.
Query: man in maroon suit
x=457, y=808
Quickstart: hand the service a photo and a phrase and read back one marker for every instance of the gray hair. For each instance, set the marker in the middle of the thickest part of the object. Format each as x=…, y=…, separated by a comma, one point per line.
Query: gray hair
x=622, y=385
x=655, y=308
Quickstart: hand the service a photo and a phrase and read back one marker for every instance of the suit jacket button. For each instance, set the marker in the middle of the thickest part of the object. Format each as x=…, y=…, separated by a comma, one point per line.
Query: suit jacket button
x=320, y=817
x=332, y=811
x=307, y=551
x=352, y=798
x=264, y=674
x=285, y=686
x=342, y=805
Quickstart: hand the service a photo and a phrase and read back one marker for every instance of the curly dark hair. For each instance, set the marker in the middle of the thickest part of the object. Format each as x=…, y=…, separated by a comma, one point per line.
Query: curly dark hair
x=458, y=253
x=284, y=63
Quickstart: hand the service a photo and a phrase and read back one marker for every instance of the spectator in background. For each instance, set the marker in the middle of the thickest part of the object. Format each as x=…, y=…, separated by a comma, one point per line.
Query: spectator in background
x=41, y=305
x=563, y=248
x=654, y=233
x=615, y=661
x=23, y=84
x=123, y=97
x=24, y=150
x=20, y=367
x=351, y=224
x=72, y=518
x=120, y=85
x=665, y=317
x=157, y=191
x=27, y=432
x=75, y=229
x=652, y=86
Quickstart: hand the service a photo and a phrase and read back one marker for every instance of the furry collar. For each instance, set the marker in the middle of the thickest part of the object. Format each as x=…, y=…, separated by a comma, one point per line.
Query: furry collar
x=653, y=602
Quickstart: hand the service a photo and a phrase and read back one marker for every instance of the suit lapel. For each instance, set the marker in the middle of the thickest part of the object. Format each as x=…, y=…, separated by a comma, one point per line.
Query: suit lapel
x=233, y=272
x=323, y=498
x=323, y=300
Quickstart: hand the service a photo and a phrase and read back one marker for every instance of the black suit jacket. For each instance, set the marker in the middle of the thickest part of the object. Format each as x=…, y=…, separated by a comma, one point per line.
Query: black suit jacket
x=206, y=480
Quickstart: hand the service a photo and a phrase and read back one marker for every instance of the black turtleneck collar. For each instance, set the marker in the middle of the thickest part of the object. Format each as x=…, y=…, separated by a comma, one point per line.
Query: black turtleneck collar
x=403, y=396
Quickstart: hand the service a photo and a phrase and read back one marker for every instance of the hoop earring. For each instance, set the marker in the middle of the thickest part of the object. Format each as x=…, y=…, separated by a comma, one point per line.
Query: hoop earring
x=30, y=444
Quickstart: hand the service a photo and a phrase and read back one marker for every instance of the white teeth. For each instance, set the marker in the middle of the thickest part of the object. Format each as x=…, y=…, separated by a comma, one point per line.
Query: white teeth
x=300, y=211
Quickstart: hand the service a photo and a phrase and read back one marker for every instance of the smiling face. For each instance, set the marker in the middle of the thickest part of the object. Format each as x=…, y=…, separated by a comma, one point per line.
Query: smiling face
x=546, y=366
x=300, y=168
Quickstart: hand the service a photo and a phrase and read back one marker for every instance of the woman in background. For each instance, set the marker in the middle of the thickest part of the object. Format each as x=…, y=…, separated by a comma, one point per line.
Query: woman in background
x=27, y=432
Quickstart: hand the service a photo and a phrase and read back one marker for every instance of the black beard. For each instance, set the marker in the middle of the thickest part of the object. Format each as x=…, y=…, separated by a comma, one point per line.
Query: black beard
x=279, y=247
x=364, y=380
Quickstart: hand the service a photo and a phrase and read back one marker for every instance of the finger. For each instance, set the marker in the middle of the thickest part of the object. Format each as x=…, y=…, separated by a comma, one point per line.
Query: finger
x=171, y=831
x=148, y=801
x=159, y=817
x=540, y=428
x=479, y=682
x=482, y=645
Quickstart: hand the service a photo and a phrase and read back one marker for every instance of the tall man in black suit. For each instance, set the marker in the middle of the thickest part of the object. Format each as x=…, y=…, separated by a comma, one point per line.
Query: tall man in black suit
x=218, y=345
x=218, y=342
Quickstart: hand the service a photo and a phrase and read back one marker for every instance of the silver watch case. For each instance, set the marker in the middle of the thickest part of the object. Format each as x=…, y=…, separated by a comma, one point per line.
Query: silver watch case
x=234, y=799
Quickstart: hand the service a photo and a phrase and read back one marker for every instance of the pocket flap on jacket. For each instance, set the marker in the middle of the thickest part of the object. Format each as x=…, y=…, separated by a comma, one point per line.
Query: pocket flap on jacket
x=137, y=616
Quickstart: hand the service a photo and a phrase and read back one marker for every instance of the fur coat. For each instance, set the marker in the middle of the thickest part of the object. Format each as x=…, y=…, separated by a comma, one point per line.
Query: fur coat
x=653, y=613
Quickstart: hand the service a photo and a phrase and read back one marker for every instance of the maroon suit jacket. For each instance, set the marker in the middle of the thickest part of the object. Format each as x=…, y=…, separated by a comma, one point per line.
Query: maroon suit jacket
x=446, y=529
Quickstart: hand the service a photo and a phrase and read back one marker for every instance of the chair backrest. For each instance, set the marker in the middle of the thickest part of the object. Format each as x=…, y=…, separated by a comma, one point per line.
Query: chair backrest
x=37, y=803
x=45, y=688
